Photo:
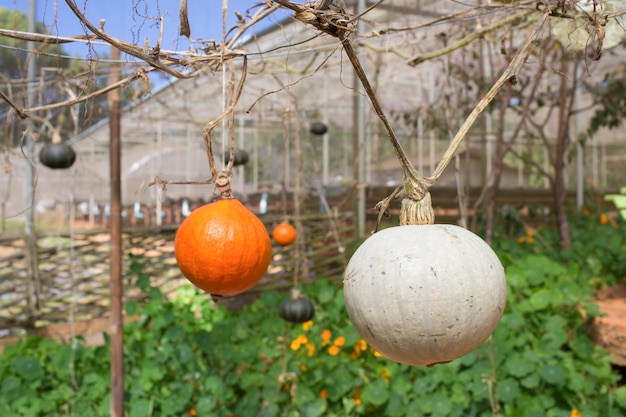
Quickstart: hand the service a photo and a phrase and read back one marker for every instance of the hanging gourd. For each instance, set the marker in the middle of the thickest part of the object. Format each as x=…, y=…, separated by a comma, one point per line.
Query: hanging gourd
x=423, y=294
x=222, y=247
x=296, y=309
x=57, y=155
x=284, y=234
x=318, y=128
x=240, y=157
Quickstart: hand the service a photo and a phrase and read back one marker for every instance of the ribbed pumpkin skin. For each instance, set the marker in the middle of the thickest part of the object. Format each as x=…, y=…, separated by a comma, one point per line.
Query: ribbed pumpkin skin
x=424, y=294
x=223, y=248
x=296, y=310
x=284, y=234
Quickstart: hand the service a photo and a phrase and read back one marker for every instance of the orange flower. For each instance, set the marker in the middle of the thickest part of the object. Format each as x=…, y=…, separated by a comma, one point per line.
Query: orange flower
x=604, y=219
x=586, y=212
x=192, y=412
x=310, y=349
x=385, y=375
x=326, y=335
x=356, y=395
x=521, y=239
x=359, y=347
x=324, y=393
x=376, y=353
x=613, y=224
x=299, y=341
x=340, y=341
x=575, y=413
x=333, y=350
x=307, y=325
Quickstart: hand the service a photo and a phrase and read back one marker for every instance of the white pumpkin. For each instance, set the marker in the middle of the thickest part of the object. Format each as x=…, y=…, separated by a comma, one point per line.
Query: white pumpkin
x=424, y=294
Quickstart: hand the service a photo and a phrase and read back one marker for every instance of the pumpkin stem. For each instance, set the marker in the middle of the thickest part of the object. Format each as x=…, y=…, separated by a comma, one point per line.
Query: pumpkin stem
x=223, y=184
x=414, y=211
x=295, y=293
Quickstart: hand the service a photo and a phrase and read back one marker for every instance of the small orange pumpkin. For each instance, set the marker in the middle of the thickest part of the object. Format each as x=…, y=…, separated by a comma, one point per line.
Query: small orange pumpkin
x=223, y=248
x=284, y=234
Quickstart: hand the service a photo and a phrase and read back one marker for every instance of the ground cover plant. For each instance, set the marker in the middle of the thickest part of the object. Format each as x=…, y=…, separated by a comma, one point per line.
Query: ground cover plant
x=185, y=357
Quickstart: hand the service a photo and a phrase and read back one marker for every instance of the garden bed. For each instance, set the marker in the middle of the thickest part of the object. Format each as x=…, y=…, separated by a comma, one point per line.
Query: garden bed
x=609, y=331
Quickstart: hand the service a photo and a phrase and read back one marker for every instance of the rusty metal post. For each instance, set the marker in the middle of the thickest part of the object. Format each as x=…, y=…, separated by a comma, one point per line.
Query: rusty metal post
x=115, y=227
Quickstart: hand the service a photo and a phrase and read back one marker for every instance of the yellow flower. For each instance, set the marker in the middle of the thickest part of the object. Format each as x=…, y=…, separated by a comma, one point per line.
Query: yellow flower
x=530, y=240
x=326, y=335
x=575, y=413
x=299, y=341
x=333, y=350
x=340, y=341
x=361, y=344
x=521, y=239
x=376, y=353
x=310, y=349
x=307, y=325
x=356, y=395
x=295, y=345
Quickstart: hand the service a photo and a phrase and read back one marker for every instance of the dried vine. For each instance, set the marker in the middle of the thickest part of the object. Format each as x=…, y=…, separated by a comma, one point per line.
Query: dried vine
x=337, y=22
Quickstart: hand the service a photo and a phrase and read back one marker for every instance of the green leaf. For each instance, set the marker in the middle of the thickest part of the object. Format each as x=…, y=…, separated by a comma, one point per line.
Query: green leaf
x=553, y=374
x=10, y=384
x=27, y=367
x=541, y=299
x=313, y=408
x=396, y=407
x=620, y=396
x=376, y=393
x=508, y=390
x=340, y=382
x=132, y=308
x=531, y=381
x=325, y=294
x=140, y=407
x=519, y=366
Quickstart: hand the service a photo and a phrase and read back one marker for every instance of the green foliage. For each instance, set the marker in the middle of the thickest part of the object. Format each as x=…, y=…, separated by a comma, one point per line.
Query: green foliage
x=598, y=243
x=184, y=354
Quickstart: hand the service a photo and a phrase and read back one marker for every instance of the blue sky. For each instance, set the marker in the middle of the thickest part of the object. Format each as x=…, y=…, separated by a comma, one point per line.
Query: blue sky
x=134, y=20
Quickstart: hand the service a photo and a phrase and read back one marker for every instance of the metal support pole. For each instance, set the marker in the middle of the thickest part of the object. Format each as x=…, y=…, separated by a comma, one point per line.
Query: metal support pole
x=29, y=224
x=117, y=319
x=359, y=140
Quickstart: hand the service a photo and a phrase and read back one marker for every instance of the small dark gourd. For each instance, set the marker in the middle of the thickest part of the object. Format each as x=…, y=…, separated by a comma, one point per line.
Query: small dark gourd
x=241, y=157
x=318, y=128
x=296, y=310
x=57, y=155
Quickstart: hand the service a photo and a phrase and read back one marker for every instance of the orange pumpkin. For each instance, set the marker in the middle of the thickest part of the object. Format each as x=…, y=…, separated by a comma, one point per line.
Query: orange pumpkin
x=223, y=248
x=284, y=234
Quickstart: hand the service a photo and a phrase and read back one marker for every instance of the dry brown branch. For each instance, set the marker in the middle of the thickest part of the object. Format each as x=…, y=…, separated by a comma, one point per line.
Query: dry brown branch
x=46, y=39
x=508, y=75
x=470, y=38
x=210, y=126
x=24, y=112
x=152, y=58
